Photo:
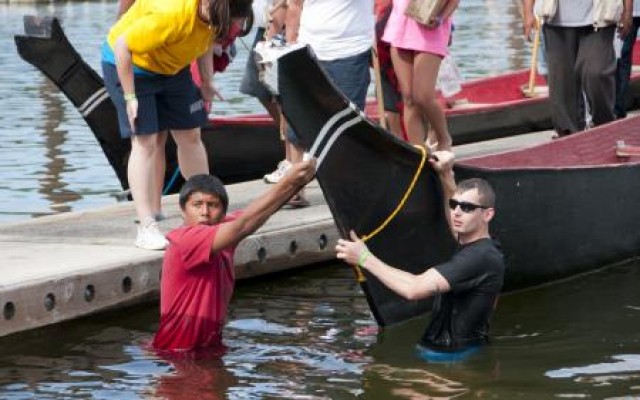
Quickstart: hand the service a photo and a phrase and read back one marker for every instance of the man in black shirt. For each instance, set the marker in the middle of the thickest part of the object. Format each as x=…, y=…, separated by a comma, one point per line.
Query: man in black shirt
x=466, y=287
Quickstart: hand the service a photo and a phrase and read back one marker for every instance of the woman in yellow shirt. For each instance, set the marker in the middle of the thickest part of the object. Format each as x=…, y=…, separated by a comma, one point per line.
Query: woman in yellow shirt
x=145, y=61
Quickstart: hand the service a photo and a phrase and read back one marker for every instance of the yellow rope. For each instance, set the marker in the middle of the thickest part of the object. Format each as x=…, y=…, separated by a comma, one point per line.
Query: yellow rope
x=360, y=276
x=404, y=198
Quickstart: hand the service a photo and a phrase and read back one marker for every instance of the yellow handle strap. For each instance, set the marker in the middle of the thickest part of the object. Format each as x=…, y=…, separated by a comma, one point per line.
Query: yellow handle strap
x=359, y=275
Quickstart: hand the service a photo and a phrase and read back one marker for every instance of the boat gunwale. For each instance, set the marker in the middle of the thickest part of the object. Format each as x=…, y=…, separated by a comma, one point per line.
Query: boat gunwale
x=628, y=125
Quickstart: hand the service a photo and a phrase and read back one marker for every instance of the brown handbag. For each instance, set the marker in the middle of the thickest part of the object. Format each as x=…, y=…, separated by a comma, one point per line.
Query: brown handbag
x=425, y=11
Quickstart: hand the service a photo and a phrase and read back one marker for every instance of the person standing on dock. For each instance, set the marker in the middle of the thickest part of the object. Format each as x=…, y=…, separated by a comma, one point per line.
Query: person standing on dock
x=417, y=51
x=341, y=35
x=580, y=56
x=465, y=288
x=391, y=95
x=625, y=62
x=270, y=18
x=197, y=273
x=145, y=62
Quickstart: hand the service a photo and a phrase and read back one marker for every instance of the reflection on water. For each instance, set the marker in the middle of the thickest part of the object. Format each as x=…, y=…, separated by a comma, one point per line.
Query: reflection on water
x=52, y=187
x=49, y=160
x=308, y=336
x=624, y=363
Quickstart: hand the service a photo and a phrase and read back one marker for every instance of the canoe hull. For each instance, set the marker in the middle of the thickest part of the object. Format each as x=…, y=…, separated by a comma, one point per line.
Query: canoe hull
x=554, y=224
x=499, y=122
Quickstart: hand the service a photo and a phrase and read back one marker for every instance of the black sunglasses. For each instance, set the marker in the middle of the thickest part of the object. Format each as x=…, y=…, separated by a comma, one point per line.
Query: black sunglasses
x=465, y=206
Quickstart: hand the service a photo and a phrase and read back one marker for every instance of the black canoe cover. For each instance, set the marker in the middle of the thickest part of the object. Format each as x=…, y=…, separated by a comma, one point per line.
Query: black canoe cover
x=364, y=172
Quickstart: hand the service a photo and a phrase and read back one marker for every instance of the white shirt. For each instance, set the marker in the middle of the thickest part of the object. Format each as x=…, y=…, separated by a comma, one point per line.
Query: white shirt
x=337, y=29
x=573, y=13
x=260, y=13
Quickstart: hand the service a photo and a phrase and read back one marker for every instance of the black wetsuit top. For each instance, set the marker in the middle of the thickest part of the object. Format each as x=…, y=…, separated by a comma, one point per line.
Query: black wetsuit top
x=460, y=317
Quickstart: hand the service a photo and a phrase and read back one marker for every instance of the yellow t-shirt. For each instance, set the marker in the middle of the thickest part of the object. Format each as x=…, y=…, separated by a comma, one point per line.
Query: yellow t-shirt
x=164, y=36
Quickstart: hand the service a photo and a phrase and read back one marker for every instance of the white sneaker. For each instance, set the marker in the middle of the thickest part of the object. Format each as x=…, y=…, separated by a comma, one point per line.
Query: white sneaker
x=283, y=167
x=150, y=237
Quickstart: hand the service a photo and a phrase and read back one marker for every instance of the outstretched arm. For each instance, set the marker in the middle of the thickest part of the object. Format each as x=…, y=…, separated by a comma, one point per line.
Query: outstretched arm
x=442, y=163
x=205, y=68
x=292, y=20
x=124, y=66
x=528, y=18
x=626, y=20
x=407, y=285
x=257, y=213
x=123, y=6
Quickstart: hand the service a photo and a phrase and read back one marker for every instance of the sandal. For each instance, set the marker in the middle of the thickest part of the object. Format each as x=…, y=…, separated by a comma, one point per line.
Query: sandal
x=297, y=201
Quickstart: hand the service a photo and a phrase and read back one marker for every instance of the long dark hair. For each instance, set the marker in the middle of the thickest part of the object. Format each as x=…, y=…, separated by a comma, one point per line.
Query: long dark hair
x=221, y=13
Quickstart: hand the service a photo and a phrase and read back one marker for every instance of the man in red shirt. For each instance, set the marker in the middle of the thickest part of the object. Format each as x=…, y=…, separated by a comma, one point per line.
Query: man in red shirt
x=197, y=273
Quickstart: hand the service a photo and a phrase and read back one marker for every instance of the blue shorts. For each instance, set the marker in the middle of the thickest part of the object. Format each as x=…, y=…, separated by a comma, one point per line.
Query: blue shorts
x=444, y=356
x=165, y=102
x=350, y=75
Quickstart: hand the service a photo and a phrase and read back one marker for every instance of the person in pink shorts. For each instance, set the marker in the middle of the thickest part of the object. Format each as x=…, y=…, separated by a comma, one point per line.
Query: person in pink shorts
x=416, y=51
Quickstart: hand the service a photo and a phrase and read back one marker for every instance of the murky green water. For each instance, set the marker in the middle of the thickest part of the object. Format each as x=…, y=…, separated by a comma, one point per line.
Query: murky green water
x=306, y=336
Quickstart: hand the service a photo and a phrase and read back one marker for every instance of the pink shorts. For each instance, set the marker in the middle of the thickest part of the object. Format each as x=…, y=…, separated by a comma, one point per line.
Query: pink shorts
x=405, y=33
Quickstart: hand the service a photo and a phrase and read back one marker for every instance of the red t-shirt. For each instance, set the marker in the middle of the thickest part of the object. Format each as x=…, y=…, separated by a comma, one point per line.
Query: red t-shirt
x=195, y=290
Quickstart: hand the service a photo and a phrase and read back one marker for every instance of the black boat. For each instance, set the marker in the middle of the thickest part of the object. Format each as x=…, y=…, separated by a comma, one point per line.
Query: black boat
x=563, y=208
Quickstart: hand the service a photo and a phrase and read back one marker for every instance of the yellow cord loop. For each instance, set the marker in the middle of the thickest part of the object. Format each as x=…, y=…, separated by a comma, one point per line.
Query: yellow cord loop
x=402, y=202
x=359, y=275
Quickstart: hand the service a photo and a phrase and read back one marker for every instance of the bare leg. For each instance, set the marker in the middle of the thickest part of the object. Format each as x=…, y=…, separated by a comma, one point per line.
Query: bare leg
x=192, y=156
x=296, y=154
x=395, y=125
x=283, y=134
x=426, y=66
x=287, y=150
x=272, y=109
x=141, y=172
x=403, y=66
x=160, y=164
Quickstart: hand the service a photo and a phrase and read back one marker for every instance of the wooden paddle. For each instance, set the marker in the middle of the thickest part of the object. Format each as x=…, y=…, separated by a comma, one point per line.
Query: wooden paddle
x=530, y=91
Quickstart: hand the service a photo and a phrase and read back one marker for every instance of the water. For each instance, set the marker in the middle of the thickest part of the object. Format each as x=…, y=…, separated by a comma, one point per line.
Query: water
x=307, y=336
x=49, y=160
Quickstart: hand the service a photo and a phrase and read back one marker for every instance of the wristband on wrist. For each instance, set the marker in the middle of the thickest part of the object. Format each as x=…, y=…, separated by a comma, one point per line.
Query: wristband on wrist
x=129, y=96
x=363, y=257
